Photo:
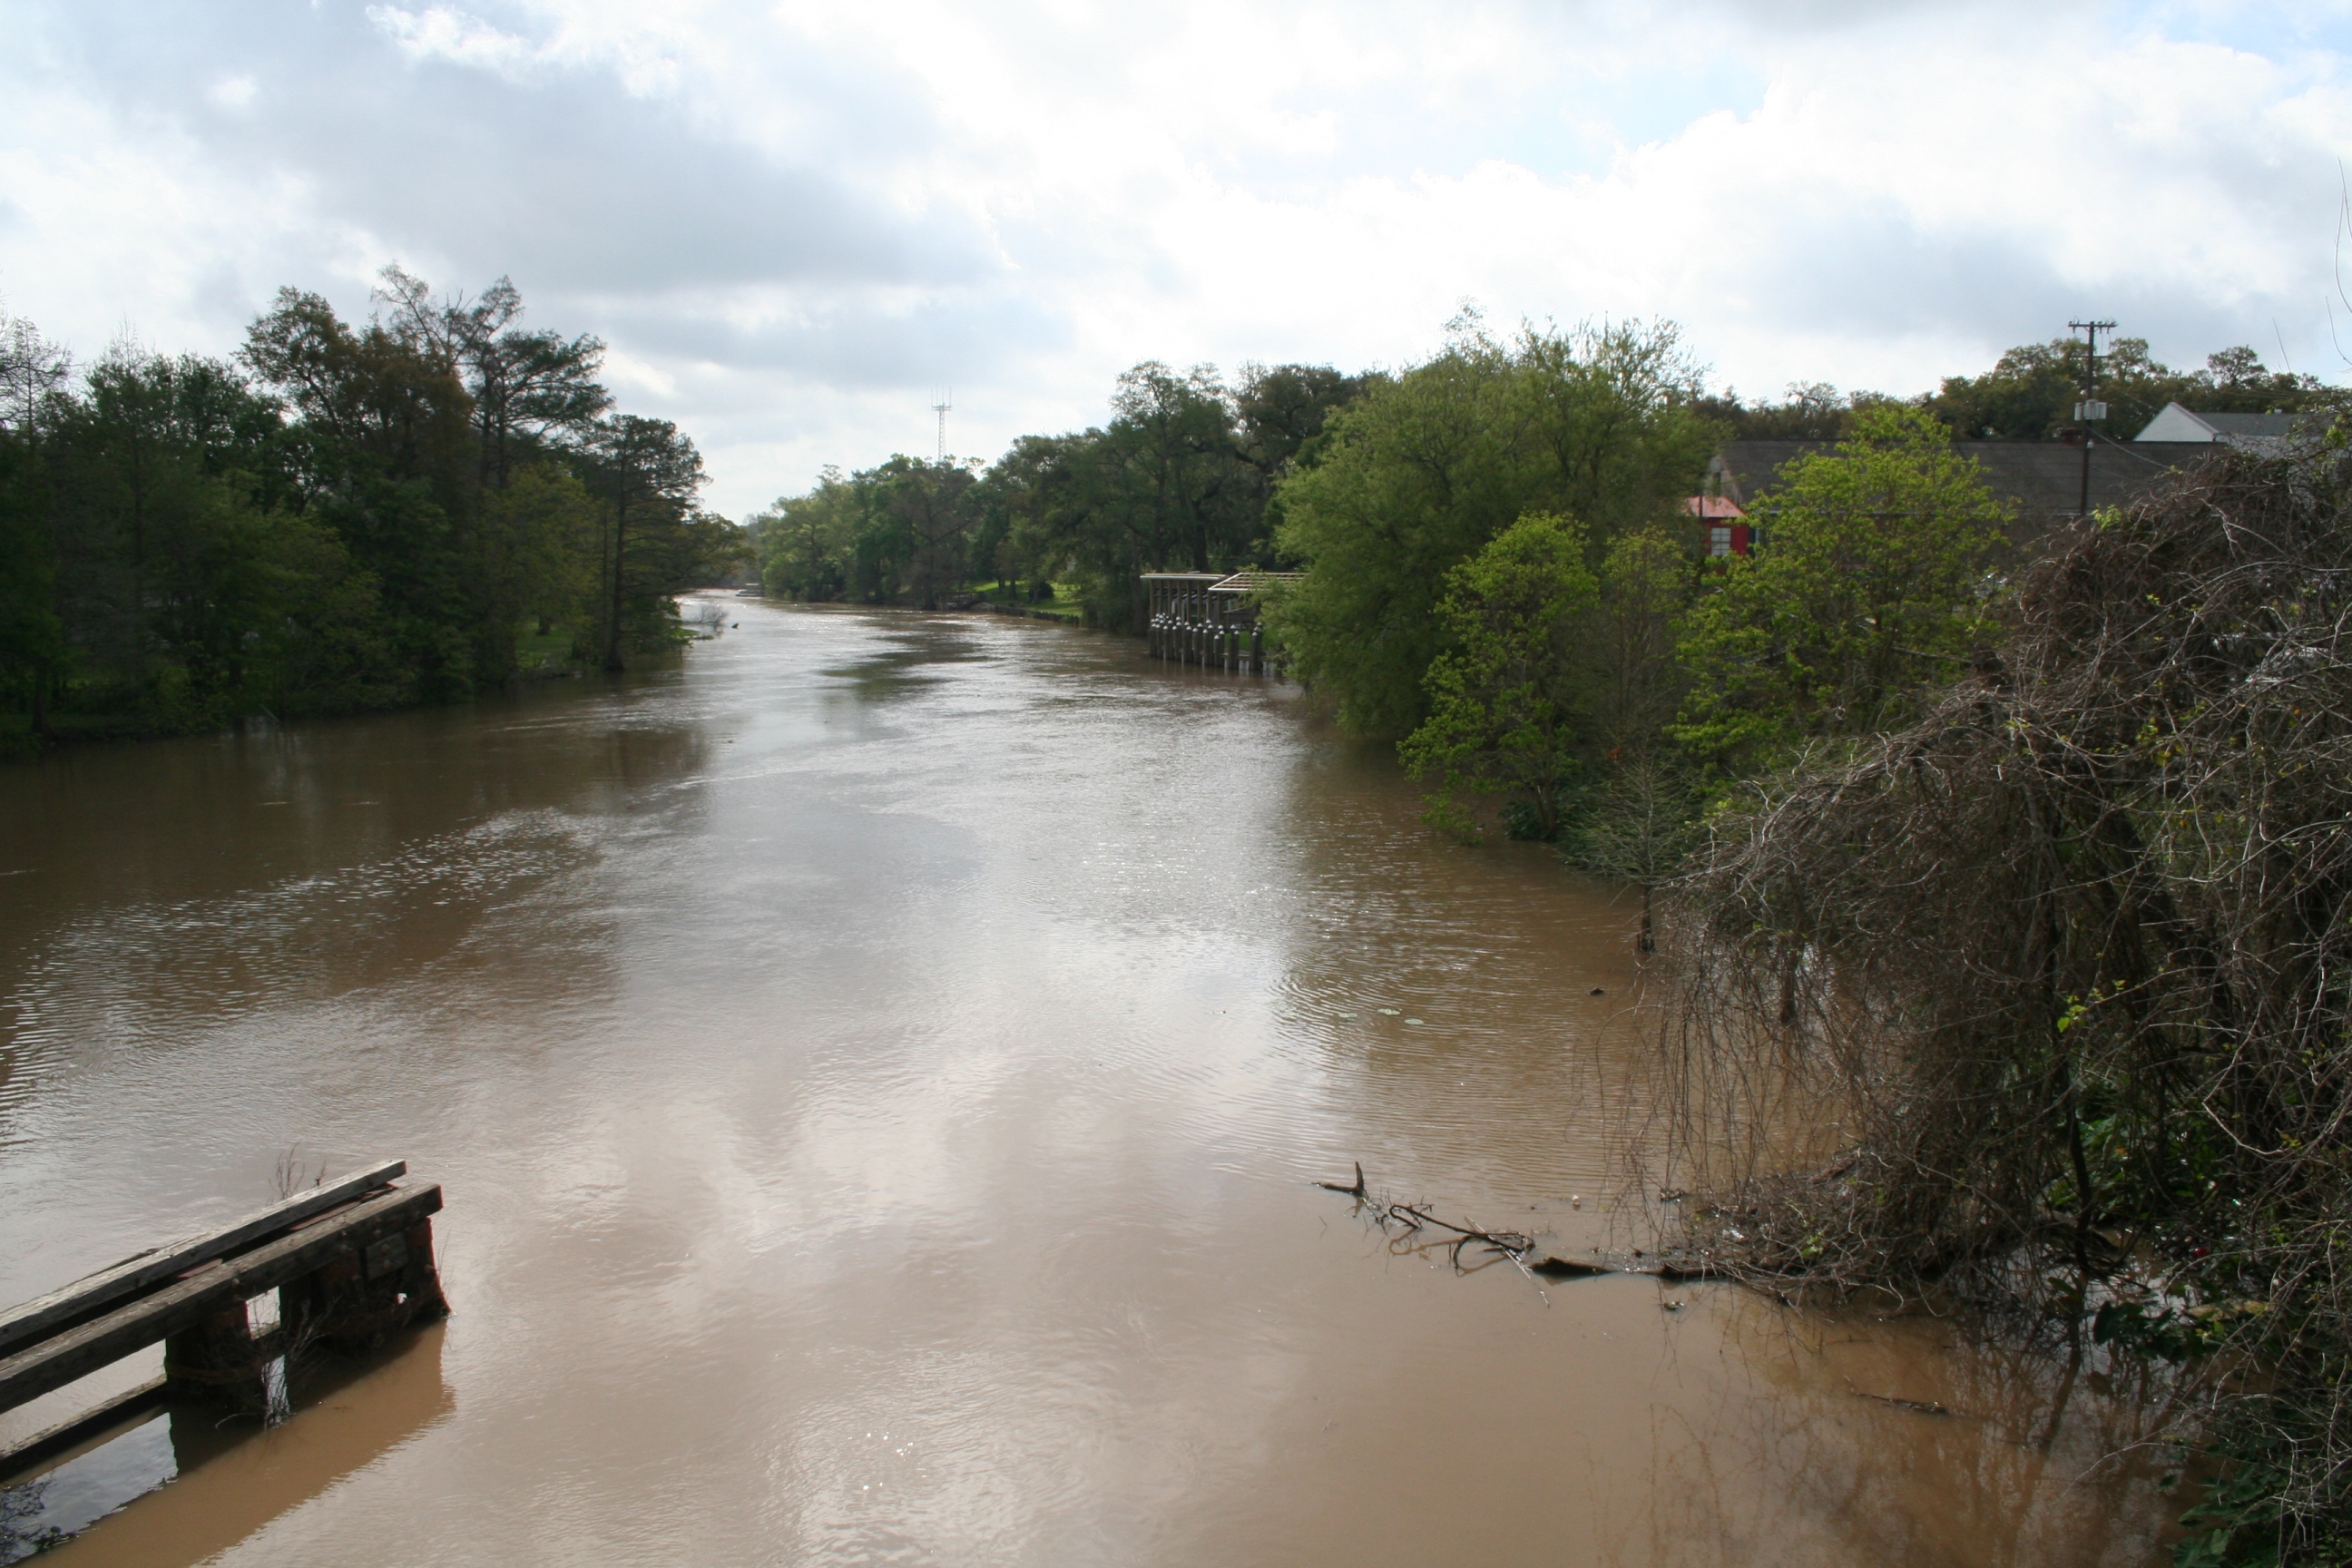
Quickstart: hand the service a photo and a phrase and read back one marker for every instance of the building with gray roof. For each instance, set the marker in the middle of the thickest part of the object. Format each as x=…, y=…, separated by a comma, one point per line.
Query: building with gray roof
x=2179, y=422
x=2041, y=480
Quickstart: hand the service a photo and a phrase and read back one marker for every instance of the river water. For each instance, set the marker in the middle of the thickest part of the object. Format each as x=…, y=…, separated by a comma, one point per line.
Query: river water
x=878, y=1070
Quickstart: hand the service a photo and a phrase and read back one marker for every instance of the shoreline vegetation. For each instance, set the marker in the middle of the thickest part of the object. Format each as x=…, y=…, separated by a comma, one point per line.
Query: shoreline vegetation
x=342, y=517
x=2001, y=886
x=2051, y=967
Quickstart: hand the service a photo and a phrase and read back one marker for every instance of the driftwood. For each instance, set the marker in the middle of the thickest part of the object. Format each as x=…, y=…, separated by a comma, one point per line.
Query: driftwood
x=1408, y=1229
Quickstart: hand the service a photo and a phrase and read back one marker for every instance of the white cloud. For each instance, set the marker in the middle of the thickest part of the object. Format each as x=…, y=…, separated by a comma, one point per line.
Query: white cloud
x=793, y=220
x=233, y=92
x=440, y=33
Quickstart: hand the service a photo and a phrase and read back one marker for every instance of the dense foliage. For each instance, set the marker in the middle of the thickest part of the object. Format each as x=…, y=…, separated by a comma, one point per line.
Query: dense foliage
x=1420, y=472
x=1179, y=479
x=1504, y=695
x=1874, y=584
x=346, y=517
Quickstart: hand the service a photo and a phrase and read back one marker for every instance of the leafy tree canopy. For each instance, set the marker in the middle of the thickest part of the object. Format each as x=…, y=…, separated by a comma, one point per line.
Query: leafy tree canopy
x=1505, y=704
x=1421, y=470
x=1870, y=584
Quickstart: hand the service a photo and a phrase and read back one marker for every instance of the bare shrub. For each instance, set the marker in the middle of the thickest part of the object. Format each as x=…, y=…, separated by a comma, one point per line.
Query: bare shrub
x=2047, y=992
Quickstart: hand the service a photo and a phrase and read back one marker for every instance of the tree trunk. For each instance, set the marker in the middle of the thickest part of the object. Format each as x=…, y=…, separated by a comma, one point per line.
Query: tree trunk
x=612, y=659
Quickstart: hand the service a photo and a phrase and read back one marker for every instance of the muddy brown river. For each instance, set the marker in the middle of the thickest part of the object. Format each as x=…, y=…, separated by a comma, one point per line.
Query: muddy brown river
x=878, y=1070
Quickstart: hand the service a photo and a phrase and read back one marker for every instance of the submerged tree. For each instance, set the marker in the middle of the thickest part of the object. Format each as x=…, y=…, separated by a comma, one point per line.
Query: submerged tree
x=1505, y=717
x=1637, y=817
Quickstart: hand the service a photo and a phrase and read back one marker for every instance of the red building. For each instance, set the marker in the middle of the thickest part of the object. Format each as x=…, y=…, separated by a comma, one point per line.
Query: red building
x=1729, y=531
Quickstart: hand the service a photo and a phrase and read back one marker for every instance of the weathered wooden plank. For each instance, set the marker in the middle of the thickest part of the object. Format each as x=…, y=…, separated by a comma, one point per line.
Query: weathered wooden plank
x=42, y=1446
x=74, y=1352
x=87, y=1298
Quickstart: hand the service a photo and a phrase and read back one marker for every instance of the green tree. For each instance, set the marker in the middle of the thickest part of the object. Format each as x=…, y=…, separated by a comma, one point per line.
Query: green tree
x=1280, y=414
x=1506, y=714
x=355, y=515
x=804, y=541
x=1870, y=584
x=545, y=522
x=647, y=474
x=1636, y=816
x=927, y=510
x=33, y=648
x=1637, y=820
x=1161, y=487
x=1647, y=580
x=529, y=388
x=1418, y=473
x=384, y=457
x=2031, y=390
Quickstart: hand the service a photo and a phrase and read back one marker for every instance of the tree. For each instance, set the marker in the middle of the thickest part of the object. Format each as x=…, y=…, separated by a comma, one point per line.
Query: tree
x=33, y=647
x=1280, y=411
x=355, y=515
x=2071, y=946
x=1413, y=478
x=648, y=474
x=1637, y=822
x=935, y=499
x=804, y=541
x=32, y=369
x=1161, y=487
x=1870, y=584
x=1420, y=472
x=2031, y=390
x=1505, y=711
x=1637, y=817
x=1647, y=580
x=547, y=517
x=527, y=386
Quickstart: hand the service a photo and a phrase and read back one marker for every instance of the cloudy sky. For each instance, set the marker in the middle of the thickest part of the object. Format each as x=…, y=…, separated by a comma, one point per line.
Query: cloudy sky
x=793, y=221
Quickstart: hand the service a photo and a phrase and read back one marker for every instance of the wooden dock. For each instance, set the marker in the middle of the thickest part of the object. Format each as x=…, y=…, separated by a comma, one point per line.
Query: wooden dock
x=1210, y=619
x=350, y=1261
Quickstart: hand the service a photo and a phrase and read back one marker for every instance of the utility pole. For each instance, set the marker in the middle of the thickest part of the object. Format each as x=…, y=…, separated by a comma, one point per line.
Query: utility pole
x=946, y=400
x=2090, y=408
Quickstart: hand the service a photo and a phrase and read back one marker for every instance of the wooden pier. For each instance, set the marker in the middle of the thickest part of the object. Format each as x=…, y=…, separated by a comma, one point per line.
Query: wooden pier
x=350, y=1263
x=1210, y=619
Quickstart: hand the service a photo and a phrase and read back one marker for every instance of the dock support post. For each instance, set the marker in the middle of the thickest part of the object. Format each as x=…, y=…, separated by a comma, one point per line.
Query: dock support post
x=356, y=1302
x=217, y=1363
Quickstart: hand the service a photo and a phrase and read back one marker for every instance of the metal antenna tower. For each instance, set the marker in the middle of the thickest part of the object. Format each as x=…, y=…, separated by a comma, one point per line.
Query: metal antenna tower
x=945, y=401
x=2090, y=409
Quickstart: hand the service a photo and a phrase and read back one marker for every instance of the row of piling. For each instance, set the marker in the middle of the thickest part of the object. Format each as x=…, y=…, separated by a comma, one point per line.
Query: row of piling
x=1210, y=620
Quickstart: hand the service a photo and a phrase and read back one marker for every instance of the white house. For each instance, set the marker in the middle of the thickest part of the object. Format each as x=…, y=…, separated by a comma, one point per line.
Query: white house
x=2180, y=423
